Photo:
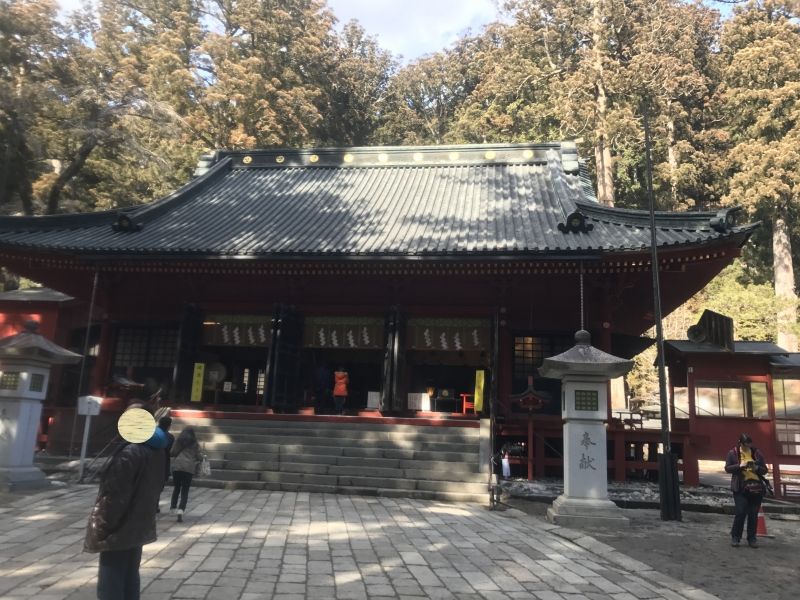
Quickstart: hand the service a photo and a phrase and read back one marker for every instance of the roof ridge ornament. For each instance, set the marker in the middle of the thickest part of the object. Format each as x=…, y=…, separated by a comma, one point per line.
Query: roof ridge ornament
x=725, y=219
x=575, y=223
x=124, y=224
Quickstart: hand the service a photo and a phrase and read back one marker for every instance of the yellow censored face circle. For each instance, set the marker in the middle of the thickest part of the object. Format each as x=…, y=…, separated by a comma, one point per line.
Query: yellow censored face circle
x=136, y=425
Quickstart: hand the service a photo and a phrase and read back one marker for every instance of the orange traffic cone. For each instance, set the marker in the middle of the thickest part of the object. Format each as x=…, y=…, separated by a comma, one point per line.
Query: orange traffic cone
x=761, y=524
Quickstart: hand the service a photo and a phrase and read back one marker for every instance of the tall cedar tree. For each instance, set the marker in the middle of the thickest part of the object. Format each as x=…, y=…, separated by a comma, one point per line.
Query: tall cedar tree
x=760, y=102
x=31, y=68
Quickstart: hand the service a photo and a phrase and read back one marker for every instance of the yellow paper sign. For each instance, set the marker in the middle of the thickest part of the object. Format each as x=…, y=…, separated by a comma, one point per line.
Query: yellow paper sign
x=479, y=375
x=197, y=382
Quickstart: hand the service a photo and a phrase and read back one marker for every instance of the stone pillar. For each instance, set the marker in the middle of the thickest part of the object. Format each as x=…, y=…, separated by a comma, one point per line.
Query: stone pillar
x=585, y=372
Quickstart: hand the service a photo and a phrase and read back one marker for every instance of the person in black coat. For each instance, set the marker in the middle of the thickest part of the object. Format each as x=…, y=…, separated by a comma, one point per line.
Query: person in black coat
x=124, y=515
x=746, y=465
x=164, y=423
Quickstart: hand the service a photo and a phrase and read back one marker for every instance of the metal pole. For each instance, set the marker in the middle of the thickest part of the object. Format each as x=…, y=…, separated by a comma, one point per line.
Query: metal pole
x=83, y=365
x=493, y=394
x=668, y=468
x=84, y=444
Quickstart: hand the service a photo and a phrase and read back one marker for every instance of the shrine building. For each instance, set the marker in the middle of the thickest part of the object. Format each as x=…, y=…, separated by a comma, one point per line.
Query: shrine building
x=438, y=277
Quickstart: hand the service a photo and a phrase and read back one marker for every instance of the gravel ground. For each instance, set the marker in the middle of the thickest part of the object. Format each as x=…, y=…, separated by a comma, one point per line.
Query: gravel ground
x=697, y=551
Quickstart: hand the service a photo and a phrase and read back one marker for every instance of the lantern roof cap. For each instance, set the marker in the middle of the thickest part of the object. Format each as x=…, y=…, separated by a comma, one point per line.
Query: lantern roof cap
x=31, y=344
x=584, y=359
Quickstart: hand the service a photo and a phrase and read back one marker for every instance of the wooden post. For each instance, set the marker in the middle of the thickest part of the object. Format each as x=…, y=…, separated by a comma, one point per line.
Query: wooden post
x=530, y=447
x=619, y=455
x=691, y=471
x=540, y=454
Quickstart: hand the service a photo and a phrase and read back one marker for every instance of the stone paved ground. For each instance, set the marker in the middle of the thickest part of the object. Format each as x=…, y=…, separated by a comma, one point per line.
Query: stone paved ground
x=697, y=551
x=253, y=545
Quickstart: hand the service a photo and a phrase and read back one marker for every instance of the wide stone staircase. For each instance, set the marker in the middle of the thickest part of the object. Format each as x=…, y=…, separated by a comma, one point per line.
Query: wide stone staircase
x=416, y=461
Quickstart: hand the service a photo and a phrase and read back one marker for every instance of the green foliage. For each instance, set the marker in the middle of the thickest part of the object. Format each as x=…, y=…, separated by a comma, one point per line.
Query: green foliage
x=113, y=107
x=752, y=306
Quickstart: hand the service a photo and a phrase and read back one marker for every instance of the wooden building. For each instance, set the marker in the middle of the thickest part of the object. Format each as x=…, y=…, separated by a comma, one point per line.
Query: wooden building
x=418, y=269
x=720, y=388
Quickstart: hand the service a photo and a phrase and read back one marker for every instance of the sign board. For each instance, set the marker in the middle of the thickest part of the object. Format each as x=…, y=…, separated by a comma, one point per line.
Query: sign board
x=89, y=405
x=197, y=382
x=373, y=399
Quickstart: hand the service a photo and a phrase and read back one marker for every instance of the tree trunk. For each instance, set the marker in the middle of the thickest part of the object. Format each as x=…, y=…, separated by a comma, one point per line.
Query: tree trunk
x=602, y=148
x=784, y=282
x=672, y=162
x=67, y=174
x=25, y=191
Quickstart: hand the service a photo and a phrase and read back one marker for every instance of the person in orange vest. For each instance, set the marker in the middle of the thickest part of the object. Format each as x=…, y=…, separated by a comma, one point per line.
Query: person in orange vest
x=746, y=465
x=341, y=383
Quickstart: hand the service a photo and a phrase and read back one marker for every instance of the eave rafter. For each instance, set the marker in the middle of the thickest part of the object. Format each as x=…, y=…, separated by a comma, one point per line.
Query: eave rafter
x=675, y=261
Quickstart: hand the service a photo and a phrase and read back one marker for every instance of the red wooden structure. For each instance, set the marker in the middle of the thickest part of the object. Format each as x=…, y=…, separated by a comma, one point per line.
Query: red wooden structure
x=411, y=267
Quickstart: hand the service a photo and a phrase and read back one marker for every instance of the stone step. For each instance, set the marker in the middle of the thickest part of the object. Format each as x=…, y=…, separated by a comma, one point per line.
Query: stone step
x=421, y=494
x=343, y=457
x=265, y=462
x=357, y=481
x=425, y=433
x=231, y=475
x=465, y=428
x=217, y=438
x=213, y=450
x=436, y=472
x=426, y=471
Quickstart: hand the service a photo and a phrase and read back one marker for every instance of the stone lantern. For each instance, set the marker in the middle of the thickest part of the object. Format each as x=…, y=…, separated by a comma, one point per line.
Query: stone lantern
x=585, y=372
x=25, y=361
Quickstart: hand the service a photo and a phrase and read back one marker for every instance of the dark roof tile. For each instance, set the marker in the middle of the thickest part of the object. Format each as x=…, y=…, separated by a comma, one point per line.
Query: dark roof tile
x=406, y=201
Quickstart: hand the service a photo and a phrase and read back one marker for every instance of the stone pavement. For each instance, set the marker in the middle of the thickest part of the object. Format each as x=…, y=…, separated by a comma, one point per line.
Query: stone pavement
x=253, y=545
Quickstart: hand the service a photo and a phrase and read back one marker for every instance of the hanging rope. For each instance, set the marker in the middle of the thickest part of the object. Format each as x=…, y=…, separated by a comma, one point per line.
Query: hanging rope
x=582, y=296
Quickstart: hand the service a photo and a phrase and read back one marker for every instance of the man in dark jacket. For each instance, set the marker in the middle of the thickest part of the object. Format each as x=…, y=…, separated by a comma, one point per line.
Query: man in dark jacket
x=746, y=465
x=124, y=515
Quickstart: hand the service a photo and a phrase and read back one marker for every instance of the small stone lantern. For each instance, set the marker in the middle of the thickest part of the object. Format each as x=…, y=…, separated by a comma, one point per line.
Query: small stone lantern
x=25, y=361
x=585, y=372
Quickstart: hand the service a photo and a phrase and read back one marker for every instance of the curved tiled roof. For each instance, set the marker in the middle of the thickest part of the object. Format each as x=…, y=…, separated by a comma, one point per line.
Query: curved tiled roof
x=373, y=202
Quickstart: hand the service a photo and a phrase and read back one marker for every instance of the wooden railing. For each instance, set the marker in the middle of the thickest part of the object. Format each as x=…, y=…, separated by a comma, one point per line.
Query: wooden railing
x=631, y=451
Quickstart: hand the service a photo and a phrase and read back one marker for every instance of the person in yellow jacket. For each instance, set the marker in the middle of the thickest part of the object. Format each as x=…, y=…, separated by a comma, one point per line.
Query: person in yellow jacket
x=746, y=465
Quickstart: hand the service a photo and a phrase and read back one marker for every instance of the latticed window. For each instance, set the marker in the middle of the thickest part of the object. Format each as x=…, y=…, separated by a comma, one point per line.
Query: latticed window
x=529, y=353
x=142, y=347
x=37, y=383
x=531, y=350
x=9, y=380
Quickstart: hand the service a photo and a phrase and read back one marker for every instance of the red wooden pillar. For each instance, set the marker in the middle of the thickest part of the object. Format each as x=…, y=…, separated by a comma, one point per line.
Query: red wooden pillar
x=776, y=469
x=691, y=470
x=530, y=447
x=539, y=456
x=776, y=479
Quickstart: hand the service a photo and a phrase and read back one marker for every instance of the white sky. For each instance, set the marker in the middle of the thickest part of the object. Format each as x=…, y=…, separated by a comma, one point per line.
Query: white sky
x=416, y=27
x=409, y=28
